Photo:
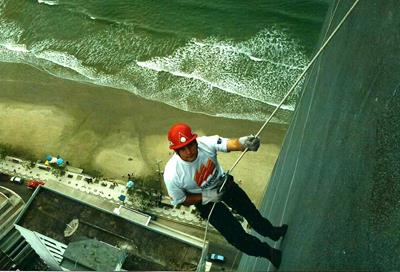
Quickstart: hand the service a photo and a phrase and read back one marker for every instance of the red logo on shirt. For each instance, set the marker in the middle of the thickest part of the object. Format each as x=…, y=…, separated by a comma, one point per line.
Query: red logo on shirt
x=204, y=172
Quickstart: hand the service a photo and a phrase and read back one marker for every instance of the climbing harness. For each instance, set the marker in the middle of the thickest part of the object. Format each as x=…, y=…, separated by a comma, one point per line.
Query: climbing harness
x=278, y=107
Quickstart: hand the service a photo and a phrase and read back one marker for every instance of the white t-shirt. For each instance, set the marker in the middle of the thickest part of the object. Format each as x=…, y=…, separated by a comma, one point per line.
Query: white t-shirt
x=183, y=177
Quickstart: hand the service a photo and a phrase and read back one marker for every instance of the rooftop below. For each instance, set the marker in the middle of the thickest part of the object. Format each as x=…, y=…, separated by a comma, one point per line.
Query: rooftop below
x=48, y=213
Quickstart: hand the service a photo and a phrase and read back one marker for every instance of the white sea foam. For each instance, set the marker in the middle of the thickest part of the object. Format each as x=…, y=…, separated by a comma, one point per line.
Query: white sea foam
x=247, y=51
x=223, y=78
x=15, y=47
x=211, y=84
x=256, y=59
x=67, y=61
x=199, y=43
x=10, y=32
x=48, y=2
x=10, y=49
x=233, y=68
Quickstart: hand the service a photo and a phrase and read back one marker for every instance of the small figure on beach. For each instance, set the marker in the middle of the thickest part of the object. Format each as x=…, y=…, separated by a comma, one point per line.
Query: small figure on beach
x=193, y=176
x=130, y=185
x=122, y=198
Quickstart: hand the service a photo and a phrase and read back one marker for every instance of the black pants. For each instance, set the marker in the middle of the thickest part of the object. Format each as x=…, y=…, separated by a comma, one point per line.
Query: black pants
x=224, y=221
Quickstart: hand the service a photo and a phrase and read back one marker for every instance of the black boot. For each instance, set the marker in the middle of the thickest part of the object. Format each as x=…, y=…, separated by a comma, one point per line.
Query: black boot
x=272, y=254
x=278, y=232
x=275, y=257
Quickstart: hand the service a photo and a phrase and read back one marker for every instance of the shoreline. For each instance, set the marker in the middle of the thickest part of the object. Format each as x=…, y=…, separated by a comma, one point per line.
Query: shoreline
x=114, y=131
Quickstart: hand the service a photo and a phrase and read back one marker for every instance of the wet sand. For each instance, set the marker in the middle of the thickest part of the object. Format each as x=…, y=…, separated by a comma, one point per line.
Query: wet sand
x=114, y=131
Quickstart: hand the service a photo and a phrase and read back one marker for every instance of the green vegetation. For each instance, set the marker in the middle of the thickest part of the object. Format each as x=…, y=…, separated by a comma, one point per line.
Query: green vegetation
x=58, y=170
x=143, y=199
x=151, y=182
x=28, y=164
x=20, y=152
x=92, y=172
x=4, y=150
x=146, y=193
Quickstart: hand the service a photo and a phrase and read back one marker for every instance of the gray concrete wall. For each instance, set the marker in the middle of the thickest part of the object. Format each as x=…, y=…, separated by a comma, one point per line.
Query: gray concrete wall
x=337, y=180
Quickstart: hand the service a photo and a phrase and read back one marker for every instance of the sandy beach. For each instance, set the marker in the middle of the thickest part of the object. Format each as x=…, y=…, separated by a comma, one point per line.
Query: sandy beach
x=114, y=131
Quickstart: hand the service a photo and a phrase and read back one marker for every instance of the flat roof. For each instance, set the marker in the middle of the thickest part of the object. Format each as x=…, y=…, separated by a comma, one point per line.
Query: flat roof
x=48, y=213
x=90, y=254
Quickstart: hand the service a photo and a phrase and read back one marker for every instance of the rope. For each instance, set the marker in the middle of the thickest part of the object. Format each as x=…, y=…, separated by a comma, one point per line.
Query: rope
x=280, y=105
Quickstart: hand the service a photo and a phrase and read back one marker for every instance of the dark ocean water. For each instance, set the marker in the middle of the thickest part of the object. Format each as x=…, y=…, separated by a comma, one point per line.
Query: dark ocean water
x=234, y=59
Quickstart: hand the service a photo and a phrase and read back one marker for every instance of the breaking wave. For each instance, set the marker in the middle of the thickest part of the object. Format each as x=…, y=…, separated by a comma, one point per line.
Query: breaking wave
x=236, y=79
x=48, y=2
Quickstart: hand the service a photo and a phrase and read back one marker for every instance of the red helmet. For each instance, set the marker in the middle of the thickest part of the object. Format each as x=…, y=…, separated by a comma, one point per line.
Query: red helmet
x=180, y=135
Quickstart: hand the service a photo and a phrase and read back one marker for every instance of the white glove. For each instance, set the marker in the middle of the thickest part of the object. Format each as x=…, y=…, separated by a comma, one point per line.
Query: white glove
x=250, y=142
x=211, y=195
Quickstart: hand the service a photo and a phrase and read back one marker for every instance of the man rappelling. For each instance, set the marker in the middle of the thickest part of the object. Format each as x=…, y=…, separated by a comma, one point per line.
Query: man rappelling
x=193, y=176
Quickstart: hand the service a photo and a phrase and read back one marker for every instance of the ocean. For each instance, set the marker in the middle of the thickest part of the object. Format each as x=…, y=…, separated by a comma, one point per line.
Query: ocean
x=234, y=59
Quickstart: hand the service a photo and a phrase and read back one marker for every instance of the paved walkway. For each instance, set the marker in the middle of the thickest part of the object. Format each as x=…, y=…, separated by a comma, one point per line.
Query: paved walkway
x=105, y=189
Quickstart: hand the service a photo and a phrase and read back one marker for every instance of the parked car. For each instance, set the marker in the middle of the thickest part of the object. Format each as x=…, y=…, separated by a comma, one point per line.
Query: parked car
x=17, y=180
x=32, y=184
x=216, y=258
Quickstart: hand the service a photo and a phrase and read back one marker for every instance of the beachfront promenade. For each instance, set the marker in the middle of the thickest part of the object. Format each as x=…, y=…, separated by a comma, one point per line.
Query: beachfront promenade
x=169, y=220
x=102, y=193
